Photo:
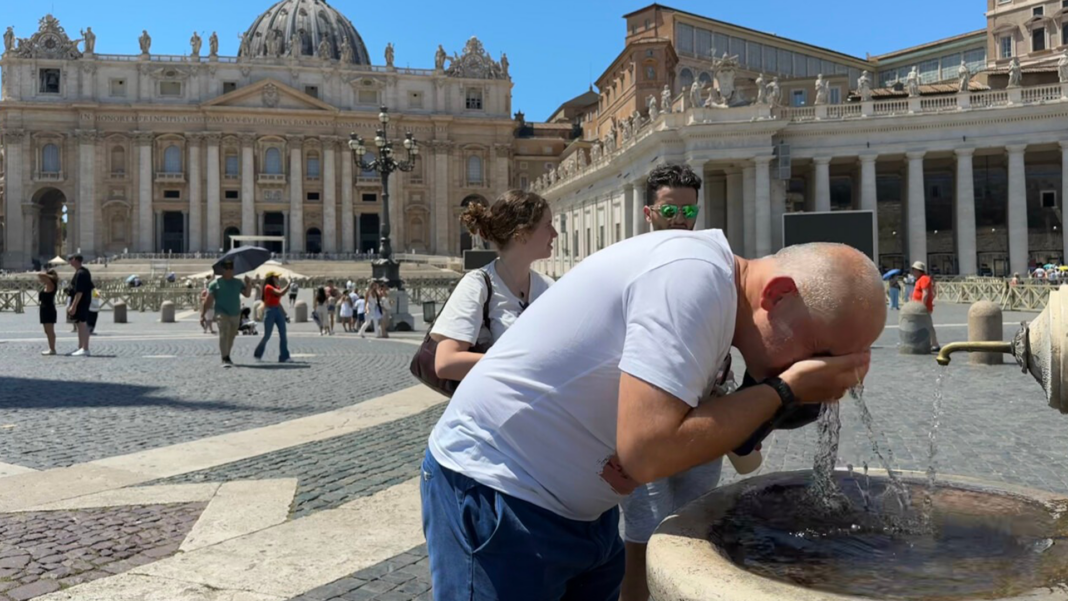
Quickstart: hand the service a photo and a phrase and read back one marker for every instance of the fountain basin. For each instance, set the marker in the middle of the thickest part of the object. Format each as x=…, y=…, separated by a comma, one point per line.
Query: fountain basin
x=721, y=548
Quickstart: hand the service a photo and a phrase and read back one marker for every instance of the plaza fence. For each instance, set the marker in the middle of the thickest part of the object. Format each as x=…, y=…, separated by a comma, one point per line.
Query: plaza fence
x=1028, y=295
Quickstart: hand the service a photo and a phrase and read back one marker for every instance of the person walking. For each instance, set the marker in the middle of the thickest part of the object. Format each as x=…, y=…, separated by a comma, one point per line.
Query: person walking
x=82, y=290
x=519, y=224
x=895, y=292
x=331, y=305
x=274, y=316
x=294, y=288
x=208, y=323
x=319, y=310
x=224, y=296
x=360, y=307
x=345, y=311
x=46, y=298
x=95, y=304
x=373, y=308
x=925, y=293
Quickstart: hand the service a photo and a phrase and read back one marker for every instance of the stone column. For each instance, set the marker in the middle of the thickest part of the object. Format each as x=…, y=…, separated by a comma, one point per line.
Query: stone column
x=329, y=195
x=348, y=240
x=87, y=191
x=916, y=207
x=641, y=226
x=501, y=159
x=628, y=210
x=296, y=193
x=821, y=173
x=248, y=186
x=778, y=209
x=868, y=195
x=762, y=211
x=1064, y=187
x=213, y=231
x=964, y=213
x=442, y=214
x=398, y=198
x=749, y=209
x=14, y=228
x=259, y=225
x=702, y=223
x=1018, y=243
x=194, y=232
x=735, y=217
x=146, y=241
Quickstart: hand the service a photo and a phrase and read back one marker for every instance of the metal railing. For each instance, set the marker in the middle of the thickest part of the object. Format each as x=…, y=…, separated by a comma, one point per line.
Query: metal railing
x=1025, y=296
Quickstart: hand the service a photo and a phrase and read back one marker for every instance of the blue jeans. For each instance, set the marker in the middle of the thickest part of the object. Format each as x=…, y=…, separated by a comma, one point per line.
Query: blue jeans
x=895, y=294
x=485, y=545
x=274, y=316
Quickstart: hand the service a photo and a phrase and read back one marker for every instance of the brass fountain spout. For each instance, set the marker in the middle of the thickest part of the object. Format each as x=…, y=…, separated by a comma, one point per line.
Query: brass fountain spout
x=971, y=347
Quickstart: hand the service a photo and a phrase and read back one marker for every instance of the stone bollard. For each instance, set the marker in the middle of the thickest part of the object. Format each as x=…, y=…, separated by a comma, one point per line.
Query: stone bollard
x=166, y=312
x=985, y=325
x=300, y=312
x=914, y=329
x=119, y=310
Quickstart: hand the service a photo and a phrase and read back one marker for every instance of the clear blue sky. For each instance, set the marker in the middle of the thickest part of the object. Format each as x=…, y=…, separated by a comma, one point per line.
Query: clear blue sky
x=555, y=47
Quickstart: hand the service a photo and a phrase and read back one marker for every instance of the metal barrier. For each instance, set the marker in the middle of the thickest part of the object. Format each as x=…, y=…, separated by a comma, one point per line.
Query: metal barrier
x=11, y=301
x=1025, y=296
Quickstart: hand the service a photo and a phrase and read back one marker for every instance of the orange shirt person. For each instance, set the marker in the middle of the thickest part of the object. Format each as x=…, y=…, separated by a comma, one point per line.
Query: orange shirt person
x=925, y=293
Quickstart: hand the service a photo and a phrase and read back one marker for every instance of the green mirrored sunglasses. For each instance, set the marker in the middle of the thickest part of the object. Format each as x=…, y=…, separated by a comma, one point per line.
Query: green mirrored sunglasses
x=669, y=211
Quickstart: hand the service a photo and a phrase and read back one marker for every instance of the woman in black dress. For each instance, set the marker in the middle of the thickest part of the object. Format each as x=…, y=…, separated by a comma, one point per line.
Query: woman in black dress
x=47, y=299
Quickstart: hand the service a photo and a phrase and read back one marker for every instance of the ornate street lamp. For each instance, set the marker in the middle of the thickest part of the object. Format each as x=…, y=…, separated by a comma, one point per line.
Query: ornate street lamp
x=384, y=269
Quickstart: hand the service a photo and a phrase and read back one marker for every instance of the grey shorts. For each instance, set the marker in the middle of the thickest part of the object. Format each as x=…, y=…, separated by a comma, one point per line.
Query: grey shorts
x=651, y=504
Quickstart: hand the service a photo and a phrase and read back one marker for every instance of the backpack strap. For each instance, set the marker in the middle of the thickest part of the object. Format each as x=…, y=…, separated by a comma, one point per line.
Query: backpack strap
x=489, y=295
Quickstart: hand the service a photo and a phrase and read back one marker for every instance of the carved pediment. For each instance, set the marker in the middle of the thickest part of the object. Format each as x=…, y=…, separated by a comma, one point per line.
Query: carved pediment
x=170, y=73
x=367, y=83
x=269, y=94
x=475, y=63
x=50, y=41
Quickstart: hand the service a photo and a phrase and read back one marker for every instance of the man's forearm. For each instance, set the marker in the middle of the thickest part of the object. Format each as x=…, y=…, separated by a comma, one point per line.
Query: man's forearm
x=77, y=300
x=709, y=431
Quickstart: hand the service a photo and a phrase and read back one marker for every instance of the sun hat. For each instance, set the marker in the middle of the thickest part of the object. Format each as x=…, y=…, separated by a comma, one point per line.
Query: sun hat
x=920, y=265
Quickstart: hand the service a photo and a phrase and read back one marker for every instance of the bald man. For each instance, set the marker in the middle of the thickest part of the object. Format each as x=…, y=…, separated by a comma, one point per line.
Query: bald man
x=599, y=389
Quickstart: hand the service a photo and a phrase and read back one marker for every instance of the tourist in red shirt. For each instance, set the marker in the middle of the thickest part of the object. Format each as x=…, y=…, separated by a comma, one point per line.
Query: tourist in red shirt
x=925, y=293
x=274, y=316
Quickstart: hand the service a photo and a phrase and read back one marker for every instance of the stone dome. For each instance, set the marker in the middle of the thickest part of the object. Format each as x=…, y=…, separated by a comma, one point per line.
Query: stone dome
x=308, y=23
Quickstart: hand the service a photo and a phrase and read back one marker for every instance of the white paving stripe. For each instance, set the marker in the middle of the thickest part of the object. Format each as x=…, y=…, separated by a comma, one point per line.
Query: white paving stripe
x=142, y=495
x=26, y=490
x=10, y=469
x=240, y=508
x=138, y=587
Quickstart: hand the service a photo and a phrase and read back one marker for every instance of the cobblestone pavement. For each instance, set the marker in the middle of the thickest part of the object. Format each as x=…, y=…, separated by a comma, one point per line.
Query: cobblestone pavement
x=144, y=392
x=44, y=551
x=337, y=470
x=405, y=577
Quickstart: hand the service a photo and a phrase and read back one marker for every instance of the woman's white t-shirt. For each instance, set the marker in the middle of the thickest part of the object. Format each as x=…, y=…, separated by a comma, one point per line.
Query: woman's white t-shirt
x=461, y=319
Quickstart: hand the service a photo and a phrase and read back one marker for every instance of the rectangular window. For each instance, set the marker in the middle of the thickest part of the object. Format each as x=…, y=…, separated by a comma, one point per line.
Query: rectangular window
x=929, y=71
x=231, y=195
x=800, y=66
x=172, y=194
x=1049, y=199
x=720, y=41
x=619, y=232
x=770, y=62
x=415, y=100
x=836, y=95
x=755, y=53
x=369, y=197
x=474, y=99
x=738, y=49
x=575, y=244
x=1005, y=47
x=975, y=59
x=1038, y=39
x=523, y=182
x=233, y=165
x=704, y=42
x=49, y=81
x=312, y=91
x=813, y=66
x=170, y=88
x=523, y=165
x=1036, y=11
x=827, y=67
x=313, y=166
x=589, y=248
x=229, y=86
x=117, y=88
x=786, y=62
x=1064, y=33
x=367, y=97
x=600, y=237
x=854, y=75
x=950, y=64
x=797, y=98
x=684, y=38
x=313, y=196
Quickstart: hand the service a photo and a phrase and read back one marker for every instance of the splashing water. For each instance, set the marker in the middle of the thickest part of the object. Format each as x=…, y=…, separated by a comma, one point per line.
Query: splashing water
x=897, y=488
x=825, y=491
x=932, y=449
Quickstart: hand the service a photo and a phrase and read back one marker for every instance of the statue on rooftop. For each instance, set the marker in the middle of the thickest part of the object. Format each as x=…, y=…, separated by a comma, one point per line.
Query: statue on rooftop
x=389, y=55
x=912, y=83
x=762, y=91
x=864, y=87
x=650, y=103
x=145, y=41
x=822, y=90
x=665, y=99
x=90, y=40
x=1015, y=73
x=1062, y=67
x=774, y=92
x=964, y=77
x=439, y=58
x=9, y=39
x=195, y=44
x=213, y=44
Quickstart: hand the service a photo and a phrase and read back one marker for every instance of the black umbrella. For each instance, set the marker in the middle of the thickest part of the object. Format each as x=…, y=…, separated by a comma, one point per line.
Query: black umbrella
x=244, y=258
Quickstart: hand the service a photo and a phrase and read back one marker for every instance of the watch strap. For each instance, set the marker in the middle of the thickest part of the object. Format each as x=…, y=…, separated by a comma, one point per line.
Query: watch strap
x=786, y=395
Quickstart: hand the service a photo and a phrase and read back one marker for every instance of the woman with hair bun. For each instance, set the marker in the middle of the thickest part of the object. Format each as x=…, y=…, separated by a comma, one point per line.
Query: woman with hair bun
x=519, y=224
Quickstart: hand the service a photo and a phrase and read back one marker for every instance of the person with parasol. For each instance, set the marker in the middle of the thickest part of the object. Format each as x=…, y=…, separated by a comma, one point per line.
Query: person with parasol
x=224, y=294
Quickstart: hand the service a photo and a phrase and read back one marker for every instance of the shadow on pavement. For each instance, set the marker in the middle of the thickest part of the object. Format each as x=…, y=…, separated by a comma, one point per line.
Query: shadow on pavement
x=23, y=393
x=273, y=366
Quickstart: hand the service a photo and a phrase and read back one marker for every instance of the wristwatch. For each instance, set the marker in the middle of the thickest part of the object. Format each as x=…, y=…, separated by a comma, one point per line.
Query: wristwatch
x=789, y=401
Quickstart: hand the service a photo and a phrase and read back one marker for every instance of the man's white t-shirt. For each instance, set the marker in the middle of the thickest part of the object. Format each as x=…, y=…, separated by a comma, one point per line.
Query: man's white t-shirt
x=536, y=417
x=461, y=318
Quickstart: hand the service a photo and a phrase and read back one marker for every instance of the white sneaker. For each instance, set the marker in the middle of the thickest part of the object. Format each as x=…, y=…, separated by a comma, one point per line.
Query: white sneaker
x=80, y=353
x=48, y=353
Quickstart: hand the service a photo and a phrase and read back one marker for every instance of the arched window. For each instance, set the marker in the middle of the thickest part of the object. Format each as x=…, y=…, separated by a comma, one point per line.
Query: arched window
x=650, y=72
x=230, y=233
x=272, y=163
x=118, y=160
x=313, y=165
x=474, y=170
x=50, y=159
x=686, y=79
x=233, y=164
x=705, y=79
x=172, y=159
x=313, y=241
x=118, y=229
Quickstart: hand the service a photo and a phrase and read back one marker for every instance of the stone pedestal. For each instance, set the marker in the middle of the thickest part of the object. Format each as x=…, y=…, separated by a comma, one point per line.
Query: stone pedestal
x=300, y=312
x=400, y=317
x=914, y=329
x=119, y=311
x=166, y=312
x=985, y=325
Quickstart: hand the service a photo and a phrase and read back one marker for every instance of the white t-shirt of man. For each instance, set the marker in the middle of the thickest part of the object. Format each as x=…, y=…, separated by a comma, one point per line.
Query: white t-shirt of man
x=461, y=319
x=536, y=417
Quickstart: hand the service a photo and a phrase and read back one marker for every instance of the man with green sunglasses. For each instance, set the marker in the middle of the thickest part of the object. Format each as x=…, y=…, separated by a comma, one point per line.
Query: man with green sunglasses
x=671, y=198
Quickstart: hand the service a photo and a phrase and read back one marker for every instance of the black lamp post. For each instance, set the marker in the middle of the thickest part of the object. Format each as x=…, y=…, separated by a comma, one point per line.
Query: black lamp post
x=384, y=269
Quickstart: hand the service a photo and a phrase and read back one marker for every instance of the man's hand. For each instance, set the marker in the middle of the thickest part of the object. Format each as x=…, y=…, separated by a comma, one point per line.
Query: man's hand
x=247, y=280
x=70, y=310
x=826, y=379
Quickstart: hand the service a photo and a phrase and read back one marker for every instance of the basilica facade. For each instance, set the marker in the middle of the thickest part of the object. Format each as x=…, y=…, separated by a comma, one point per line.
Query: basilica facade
x=146, y=152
